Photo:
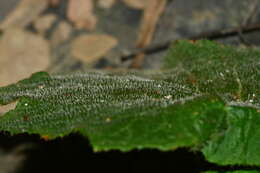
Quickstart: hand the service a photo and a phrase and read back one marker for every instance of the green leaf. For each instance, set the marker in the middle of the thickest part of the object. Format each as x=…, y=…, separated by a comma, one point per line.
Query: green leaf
x=207, y=100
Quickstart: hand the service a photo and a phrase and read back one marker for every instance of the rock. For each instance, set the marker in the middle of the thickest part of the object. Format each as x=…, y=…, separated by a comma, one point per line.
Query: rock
x=21, y=54
x=90, y=47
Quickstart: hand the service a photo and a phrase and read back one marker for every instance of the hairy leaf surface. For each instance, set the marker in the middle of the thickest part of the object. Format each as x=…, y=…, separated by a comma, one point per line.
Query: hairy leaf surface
x=207, y=99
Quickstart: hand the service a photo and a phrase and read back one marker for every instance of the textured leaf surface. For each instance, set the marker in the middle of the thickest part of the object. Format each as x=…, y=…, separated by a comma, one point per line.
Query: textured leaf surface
x=234, y=75
x=208, y=100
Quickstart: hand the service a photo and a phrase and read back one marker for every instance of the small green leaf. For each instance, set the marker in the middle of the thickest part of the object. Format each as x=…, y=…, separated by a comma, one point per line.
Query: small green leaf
x=207, y=100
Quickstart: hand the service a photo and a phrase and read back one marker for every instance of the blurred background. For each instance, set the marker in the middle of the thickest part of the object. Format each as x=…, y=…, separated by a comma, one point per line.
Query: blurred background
x=64, y=36
x=61, y=36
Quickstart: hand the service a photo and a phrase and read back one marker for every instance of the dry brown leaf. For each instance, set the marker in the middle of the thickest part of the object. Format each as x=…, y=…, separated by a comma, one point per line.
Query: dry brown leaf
x=61, y=33
x=89, y=48
x=138, y=4
x=80, y=12
x=7, y=108
x=44, y=23
x=106, y=3
x=152, y=12
x=21, y=54
x=25, y=12
x=13, y=159
x=54, y=3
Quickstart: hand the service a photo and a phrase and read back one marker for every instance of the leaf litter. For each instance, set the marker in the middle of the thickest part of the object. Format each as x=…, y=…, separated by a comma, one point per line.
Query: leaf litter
x=26, y=12
x=21, y=54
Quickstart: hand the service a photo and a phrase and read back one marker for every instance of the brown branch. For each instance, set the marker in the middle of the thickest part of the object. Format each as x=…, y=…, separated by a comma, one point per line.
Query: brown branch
x=152, y=13
x=218, y=34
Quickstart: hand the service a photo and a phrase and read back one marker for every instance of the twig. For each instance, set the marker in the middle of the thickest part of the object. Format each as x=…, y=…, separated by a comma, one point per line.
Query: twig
x=151, y=15
x=206, y=35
